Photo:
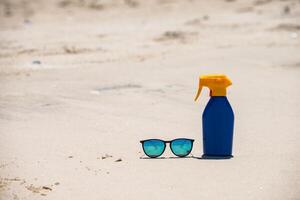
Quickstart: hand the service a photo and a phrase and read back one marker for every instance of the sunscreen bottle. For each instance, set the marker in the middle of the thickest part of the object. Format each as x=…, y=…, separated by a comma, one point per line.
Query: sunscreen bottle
x=217, y=118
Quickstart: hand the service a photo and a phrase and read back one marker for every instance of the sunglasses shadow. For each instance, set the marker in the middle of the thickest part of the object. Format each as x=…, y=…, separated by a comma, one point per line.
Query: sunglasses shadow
x=192, y=157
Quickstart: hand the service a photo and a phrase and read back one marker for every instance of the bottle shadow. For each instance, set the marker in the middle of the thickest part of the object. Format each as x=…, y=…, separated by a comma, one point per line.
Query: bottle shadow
x=203, y=157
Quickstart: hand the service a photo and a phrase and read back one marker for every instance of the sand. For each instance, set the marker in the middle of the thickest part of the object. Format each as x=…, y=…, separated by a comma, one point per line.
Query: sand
x=81, y=82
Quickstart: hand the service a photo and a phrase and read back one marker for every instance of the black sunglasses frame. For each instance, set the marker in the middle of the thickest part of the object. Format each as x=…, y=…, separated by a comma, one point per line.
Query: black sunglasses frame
x=165, y=142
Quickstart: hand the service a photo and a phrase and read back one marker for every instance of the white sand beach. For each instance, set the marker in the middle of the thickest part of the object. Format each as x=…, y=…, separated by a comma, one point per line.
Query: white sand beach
x=83, y=81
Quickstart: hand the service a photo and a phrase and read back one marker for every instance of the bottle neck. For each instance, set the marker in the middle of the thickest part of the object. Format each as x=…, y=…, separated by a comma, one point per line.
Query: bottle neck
x=218, y=92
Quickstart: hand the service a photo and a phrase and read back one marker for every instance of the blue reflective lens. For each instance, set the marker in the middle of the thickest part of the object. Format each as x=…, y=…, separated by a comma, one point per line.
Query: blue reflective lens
x=154, y=148
x=181, y=147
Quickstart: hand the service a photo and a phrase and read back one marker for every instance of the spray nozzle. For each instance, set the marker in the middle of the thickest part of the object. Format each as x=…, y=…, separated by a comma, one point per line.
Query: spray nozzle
x=217, y=83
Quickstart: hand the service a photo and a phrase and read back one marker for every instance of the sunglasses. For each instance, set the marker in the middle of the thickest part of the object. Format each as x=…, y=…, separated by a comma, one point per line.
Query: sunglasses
x=180, y=147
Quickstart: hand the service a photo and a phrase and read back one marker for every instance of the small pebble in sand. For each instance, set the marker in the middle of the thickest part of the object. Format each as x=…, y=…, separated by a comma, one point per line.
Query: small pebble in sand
x=57, y=183
x=46, y=188
x=119, y=160
x=106, y=156
x=36, y=62
x=70, y=156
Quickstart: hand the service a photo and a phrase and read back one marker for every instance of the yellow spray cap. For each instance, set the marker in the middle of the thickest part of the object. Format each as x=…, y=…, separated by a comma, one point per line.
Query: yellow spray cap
x=217, y=83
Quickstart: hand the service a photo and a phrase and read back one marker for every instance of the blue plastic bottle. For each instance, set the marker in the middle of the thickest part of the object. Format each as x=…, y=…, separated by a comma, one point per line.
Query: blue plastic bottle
x=217, y=118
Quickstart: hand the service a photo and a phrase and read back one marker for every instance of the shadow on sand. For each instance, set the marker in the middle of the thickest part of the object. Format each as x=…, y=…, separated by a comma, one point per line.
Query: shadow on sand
x=203, y=157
